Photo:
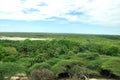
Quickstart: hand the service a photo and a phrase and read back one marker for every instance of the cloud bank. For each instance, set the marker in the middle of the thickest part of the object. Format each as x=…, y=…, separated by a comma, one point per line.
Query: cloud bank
x=104, y=12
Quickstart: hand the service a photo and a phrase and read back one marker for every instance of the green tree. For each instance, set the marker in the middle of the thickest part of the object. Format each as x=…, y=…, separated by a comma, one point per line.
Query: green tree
x=112, y=65
x=1, y=52
x=9, y=54
x=9, y=69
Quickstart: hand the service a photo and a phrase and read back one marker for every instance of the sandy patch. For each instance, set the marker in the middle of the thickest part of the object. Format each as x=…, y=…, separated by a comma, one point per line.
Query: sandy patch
x=22, y=38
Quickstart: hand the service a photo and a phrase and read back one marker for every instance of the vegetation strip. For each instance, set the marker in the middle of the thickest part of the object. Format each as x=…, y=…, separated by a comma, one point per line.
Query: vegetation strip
x=67, y=56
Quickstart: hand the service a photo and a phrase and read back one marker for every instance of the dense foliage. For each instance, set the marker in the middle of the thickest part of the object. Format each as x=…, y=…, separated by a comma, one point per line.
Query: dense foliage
x=67, y=55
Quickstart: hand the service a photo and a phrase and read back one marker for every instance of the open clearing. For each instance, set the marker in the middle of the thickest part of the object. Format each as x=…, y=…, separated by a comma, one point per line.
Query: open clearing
x=22, y=38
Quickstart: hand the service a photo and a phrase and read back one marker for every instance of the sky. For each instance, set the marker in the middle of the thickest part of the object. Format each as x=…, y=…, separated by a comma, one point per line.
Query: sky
x=60, y=16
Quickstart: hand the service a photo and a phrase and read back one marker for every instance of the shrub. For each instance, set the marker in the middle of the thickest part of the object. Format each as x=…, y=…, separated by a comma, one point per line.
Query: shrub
x=1, y=52
x=88, y=55
x=9, y=54
x=38, y=66
x=65, y=66
x=93, y=47
x=113, y=66
x=111, y=50
x=53, y=61
x=1, y=75
x=79, y=70
x=42, y=74
x=9, y=69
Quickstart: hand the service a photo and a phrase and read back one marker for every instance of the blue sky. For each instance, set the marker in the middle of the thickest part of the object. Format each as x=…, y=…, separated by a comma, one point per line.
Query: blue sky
x=60, y=16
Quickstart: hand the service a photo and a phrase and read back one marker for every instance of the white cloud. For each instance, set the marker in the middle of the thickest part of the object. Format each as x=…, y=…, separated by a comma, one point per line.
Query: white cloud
x=104, y=12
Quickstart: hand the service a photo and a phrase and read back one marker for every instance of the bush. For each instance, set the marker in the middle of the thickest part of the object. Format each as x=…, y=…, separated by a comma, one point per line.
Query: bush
x=9, y=69
x=1, y=75
x=111, y=50
x=88, y=55
x=42, y=74
x=93, y=47
x=65, y=66
x=9, y=54
x=79, y=70
x=1, y=52
x=53, y=61
x=113, y=66
x=38, y=66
